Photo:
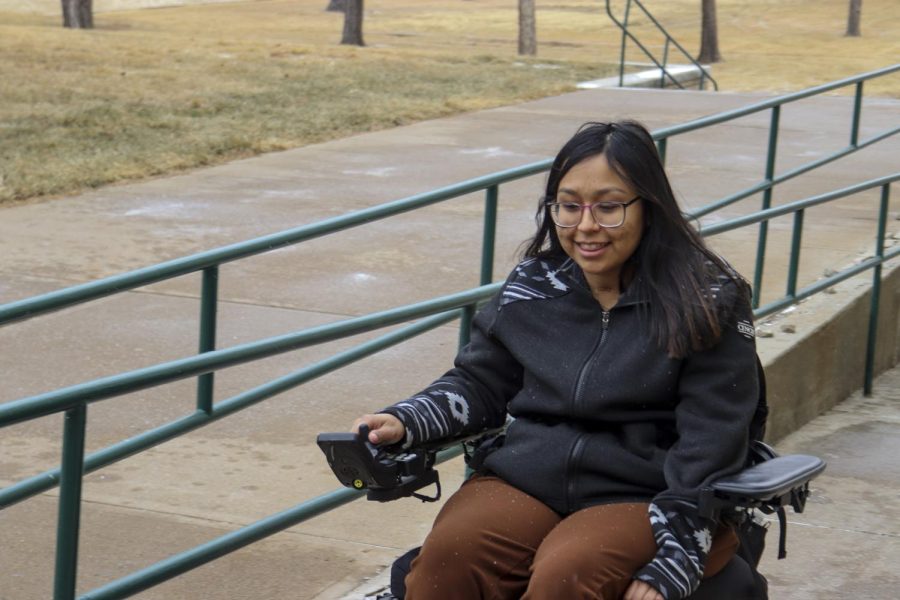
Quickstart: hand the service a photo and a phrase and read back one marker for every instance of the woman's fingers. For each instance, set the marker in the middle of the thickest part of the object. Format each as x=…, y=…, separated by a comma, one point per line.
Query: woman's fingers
x=638, y=590
x=383, y=428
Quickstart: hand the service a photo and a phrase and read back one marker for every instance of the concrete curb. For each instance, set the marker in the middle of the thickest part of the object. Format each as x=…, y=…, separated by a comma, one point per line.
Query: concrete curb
x=807, y=370
x=683, y=74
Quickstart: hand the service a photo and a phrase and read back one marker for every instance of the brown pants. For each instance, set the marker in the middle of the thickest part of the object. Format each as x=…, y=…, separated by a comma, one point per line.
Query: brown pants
x=493, y=541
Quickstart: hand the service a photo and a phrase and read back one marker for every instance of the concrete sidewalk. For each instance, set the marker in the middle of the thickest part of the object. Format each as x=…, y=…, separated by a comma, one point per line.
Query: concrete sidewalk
x=242, y=469
x=845, y=545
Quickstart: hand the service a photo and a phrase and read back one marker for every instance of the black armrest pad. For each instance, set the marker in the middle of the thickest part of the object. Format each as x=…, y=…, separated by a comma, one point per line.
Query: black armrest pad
x=772, y=478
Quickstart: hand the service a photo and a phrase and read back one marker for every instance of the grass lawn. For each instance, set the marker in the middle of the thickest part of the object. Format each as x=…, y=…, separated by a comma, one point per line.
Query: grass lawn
x=150, y=92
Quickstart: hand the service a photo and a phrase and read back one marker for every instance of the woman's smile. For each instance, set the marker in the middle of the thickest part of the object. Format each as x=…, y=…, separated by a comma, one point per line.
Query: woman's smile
x=592, y=249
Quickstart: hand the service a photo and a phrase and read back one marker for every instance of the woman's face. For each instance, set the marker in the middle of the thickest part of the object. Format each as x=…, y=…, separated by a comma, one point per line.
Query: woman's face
x=601, y=252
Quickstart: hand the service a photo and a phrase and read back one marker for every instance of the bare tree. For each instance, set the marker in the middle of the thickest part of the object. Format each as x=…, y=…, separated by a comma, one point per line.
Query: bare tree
x=853, y=18
x=336, y=6
x=527, y=28
x=353, y=23
x=78, y=14
x=709, y=34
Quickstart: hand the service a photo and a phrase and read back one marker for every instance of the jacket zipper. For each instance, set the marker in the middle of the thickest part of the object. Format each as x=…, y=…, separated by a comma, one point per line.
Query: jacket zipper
x=578, y=446
x=582, y=374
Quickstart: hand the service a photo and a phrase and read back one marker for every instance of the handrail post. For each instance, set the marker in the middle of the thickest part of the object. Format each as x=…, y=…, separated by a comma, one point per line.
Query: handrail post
x=69, y=516
x=209, y=297
x=489, y=234
x=857, y=110
x=876, y=291
x=624, y=40
x=767, y=202
x=465, y=324
x=665, y=62
x=488, y=243
x=794, y=263
x=661, y=146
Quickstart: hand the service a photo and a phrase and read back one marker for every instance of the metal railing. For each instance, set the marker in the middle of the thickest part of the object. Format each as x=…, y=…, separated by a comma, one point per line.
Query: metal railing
x=664, y=73
x=74, y=400
x=770, y=178
x=792, y=295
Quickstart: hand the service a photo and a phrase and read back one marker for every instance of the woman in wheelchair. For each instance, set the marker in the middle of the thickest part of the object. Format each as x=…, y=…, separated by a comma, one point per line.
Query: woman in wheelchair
x=624, y=349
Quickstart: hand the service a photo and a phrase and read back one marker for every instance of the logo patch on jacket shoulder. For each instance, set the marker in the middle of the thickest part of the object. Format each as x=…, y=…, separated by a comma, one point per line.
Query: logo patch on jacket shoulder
x=746, y=329
x=535, y=280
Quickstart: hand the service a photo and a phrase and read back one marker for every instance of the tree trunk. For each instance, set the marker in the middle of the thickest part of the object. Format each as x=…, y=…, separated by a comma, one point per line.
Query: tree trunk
x=527, y=28
x=709, y=35
x=853, y=18
x=353, y=23
x=78, y=14
x=336, y=6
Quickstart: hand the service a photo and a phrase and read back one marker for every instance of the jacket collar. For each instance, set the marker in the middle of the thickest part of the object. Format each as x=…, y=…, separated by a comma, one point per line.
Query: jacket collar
x=634, y=294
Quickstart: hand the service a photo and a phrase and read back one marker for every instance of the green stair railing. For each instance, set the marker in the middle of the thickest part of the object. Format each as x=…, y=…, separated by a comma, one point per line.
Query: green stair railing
x=73, y=401
x=666, y=75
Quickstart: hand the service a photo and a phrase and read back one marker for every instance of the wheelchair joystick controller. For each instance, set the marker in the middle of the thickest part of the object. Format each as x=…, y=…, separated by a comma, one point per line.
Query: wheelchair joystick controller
x=385, y=476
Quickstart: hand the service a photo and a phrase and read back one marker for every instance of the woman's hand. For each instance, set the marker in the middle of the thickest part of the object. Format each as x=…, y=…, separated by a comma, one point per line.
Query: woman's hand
x=638, y=590
x=383, y=428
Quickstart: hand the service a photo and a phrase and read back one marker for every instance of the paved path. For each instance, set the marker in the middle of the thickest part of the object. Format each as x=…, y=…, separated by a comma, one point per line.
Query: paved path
x=244, y=468
x=845, y=545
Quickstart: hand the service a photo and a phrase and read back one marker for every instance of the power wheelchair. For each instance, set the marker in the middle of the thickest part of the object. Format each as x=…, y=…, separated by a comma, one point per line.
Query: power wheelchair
x=767, y=484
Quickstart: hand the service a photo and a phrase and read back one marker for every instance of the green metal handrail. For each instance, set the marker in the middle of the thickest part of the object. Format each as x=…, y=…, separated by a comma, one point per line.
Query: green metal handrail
x=235, y=540
x=17, y=411
x=73, y=470
x=78, y=294
x=74, y=400
x=770, y=179
x=793, y=295
x=136, y=380
x=664, y=72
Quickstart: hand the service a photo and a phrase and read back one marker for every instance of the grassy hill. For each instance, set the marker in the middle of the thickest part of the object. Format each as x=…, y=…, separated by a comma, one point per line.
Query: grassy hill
x=150, y=92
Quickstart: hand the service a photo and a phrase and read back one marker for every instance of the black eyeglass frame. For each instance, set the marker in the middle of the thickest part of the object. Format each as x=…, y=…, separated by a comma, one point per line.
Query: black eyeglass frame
x=624, y=206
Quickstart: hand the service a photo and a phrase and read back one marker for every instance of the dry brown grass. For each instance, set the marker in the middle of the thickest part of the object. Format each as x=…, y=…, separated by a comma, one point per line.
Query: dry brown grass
x=787, y=45
x=154, y=91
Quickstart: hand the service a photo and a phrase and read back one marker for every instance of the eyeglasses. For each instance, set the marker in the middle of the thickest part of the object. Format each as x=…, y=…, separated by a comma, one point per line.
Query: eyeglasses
x=605, y=213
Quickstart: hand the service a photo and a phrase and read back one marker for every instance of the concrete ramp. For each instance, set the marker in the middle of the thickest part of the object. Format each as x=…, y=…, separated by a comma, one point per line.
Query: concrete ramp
x=217, y=479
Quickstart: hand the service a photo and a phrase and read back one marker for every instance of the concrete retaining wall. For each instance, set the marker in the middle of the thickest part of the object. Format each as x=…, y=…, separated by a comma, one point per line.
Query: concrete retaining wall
x=823, y=362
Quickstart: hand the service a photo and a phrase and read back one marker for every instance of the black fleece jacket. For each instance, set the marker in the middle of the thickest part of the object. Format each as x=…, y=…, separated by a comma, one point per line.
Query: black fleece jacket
x=602, y=414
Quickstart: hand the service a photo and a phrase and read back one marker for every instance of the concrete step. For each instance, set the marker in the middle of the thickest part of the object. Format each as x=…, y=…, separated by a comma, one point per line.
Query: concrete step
x=687, y=75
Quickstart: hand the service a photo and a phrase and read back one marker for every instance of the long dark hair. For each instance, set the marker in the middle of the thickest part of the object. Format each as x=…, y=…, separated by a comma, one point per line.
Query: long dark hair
x=673, y=264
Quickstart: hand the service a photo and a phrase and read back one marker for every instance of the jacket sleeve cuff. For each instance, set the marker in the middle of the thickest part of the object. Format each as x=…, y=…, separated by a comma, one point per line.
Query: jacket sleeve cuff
x=434, y=414
x=683, y=542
